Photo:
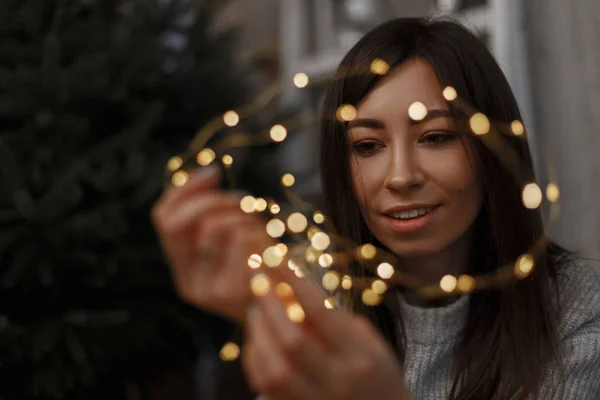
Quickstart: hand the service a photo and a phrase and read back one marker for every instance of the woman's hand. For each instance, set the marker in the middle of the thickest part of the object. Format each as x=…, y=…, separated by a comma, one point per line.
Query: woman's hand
x=207, y=240
x=329, y=356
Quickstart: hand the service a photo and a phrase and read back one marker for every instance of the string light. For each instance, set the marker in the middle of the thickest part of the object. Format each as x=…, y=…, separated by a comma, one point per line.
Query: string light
x=379, y=286
x=292, y=265
x=450, y=93
x=295, y=313
x=301, y=80
x=517, y=128
x=272, y=257
x=325, y=260
x=261, y=205
x=370, y=298
x=274, y=208
x=227, y=160
x=174, y=163
x=346, y=282
x=385, y=270
x=368, y=251
x=288, y=180
x=465, y=283
x=417, y=111
x=318, y=217
x=379, y=67
x=552, y=193
x=248, y=204
x=254, y=261
x=278, y=133
x=284, y=290
x=311, y=254
x=259, y=285
x=297, y=222
x=479, y=123
x=205, y=157
x=282, y=248
x=532, y=196
x=331, y=280
x=231, y=118
x=448, y=283
x=330, y=303
x=229, y=352
x=346, y=113
x=179, y=178
x=320, y=241
x=524, y=265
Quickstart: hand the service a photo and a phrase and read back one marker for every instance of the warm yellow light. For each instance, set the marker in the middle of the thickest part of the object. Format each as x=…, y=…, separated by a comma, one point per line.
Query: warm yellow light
x=259, y=285
x=346, y=113
x=347, y=282
x=553, y=193
x=379, y=286
x=174, y=163
x=465, y=283
x=330, y=303
x=292, y=265
x=479, y=123
x=517, y=128
x=417, y=111
x=448, y=283
x=368, y=251
x=227, y=160
x=179, y=178
x=318, y=217
x=295, y=313
x=254, y=261
x=272, y=257
x=274, y=208
x=261, y=204
x=248, y=204
x=278, y=133
x=325, y=260
x=320, y=241
x=288, y=180
x=282, y=248
x=311, y=254
x=299, y=273
x=284, y=290
x=301, y=80
x=385, y=270
x=297, y=222
x=206, y=156
x=370, y=298
x=331, y=280
x=231, y=118
x=379, y=67
x=450, y=93
x=524, y=265
x=532, y=196
x=229, y=352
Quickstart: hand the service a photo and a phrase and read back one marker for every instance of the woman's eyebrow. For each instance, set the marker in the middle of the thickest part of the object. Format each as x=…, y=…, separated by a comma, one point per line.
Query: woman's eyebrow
x=365, y=123
x=432, y=114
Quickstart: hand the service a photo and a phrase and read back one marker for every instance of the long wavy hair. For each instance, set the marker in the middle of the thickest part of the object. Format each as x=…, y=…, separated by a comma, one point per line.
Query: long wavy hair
x=511, y=333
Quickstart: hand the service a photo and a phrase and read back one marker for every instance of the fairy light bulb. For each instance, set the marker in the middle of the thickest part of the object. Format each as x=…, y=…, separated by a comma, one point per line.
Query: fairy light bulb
x=379, y=286
x=318, y=217
x=465, y=283
x=205, y=157
x=295, y=312
x=174, y=163
x=370, y=298
x=282, y=248
x=248, y=204
x=254, y=261
x=179, y=178
x=259, y=285
x=301, y=80
x=288, y=180
x=346, y=113
x=261, y=204
x=552, y=193
x=331, y=280
x=532, y=196
x=231, y=118
x=448, y=283
x=311, y=254
x=479, y=123
x=368, y=251
x=227, y=160
x=278, y=133
x=299, y=273
x=325, y=260
x=346, y=282
x=385, y=270
x=517, y=128
x=229, y=352
x=274, y=209
x=284, y=290
x=320, y=241
x=450, y=93
x=379, y=67
x=524, y=265
x=297, y=222
x=329, y=303
x=417, y=111
x=292, y=265
x=272, y=257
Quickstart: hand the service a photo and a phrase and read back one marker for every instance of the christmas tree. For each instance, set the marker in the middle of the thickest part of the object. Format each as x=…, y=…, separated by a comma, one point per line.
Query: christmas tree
x=95, y=96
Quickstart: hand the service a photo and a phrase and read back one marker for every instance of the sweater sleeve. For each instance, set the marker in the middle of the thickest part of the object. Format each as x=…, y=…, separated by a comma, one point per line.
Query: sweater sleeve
x=578, y=378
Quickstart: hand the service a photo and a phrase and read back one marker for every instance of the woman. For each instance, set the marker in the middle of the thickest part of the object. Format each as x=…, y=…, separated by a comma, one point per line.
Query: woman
x=537, y=338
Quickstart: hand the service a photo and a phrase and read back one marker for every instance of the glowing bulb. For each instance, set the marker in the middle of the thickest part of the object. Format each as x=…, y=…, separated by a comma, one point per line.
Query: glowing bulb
x=347, y=282
x=288, y=180
x=417, y=111
x=370, y=298
x=282, y=248
x=272, y=256
x=524, y=265
x=295, y=313
x=179, y=178
x=480, y=124
x=311, y=232
x=254, y=261
x=465, y=283
x=205, y=157
x=311, y=254
x=448, y=283
x=227, y=160
x=532, y=196
x=297, y=222
x=274, y=208
x=292, y=265
x=259, y=285
x=331, y=280
x=318, y=217
x=346, y=113
x=299, y=273
x=278, y=133
x=174, y=163
x=385, y=270
x=261, y=204
x=450, y=93
x=329, y=303
x=379, y=286
x=320, y=241
x=248, y=204
x=229, y=352
x=517, y=128
x=231, y=118
x=301, y=80
x=284, y=290
x=552, y=193
x=368, y=251
x=325, y=260
x=379, y=67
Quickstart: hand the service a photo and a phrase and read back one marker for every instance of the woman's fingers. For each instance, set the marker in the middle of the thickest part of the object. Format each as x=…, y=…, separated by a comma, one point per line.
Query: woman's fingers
x=266, y=367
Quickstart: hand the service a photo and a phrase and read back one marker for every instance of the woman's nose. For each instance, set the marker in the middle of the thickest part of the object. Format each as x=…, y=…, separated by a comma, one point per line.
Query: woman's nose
x=404, y=172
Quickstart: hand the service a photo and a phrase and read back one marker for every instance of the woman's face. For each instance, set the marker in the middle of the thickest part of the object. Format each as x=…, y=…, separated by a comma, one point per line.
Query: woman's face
x=413, y=179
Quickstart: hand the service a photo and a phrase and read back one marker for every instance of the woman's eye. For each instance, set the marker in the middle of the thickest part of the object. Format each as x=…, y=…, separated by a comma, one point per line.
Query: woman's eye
x=438, y=138
x=366, y=147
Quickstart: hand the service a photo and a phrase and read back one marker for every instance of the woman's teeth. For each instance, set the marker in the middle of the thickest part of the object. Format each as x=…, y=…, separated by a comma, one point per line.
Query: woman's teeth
x=412, y=213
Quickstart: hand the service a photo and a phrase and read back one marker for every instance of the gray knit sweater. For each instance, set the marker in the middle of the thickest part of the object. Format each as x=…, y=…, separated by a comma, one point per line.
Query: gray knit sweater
x=433, y=332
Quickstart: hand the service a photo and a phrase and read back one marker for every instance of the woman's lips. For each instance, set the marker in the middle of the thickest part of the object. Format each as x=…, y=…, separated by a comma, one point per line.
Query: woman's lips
x=410, y=225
